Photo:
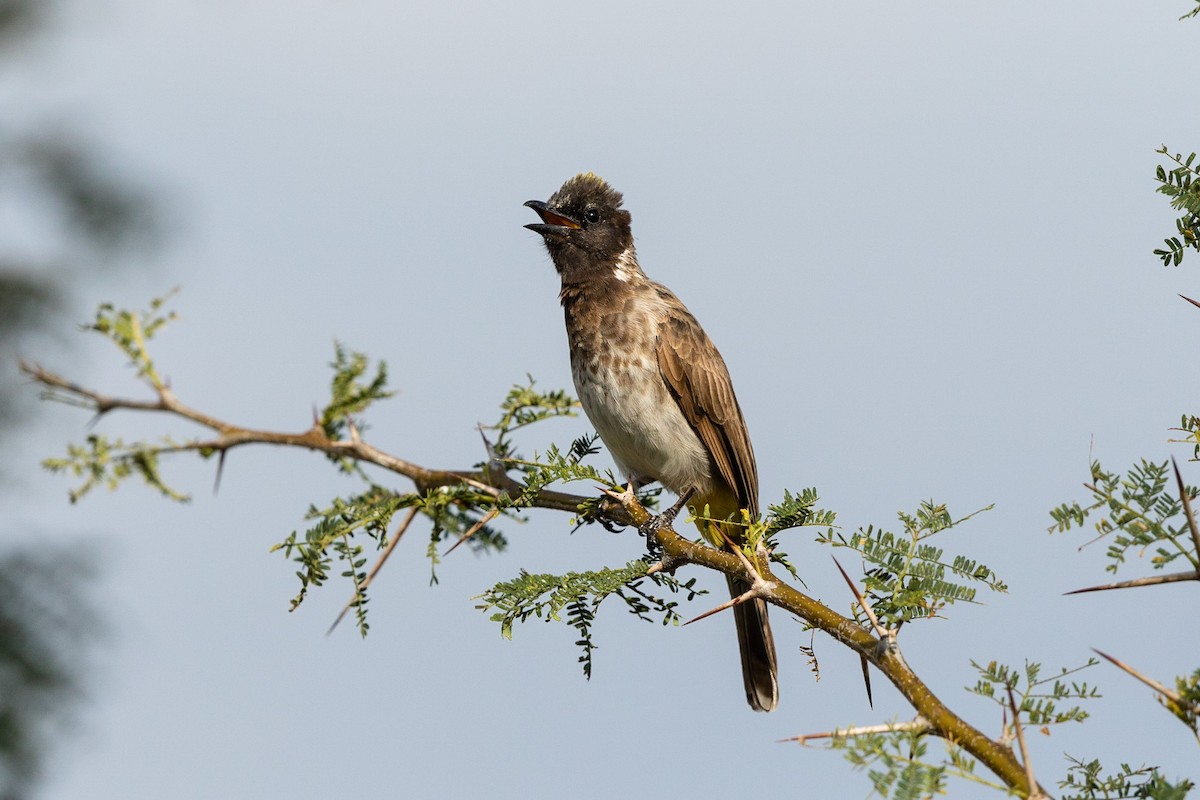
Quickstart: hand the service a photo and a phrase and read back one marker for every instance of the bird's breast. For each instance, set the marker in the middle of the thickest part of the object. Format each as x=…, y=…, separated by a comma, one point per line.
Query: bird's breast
x=614, y=364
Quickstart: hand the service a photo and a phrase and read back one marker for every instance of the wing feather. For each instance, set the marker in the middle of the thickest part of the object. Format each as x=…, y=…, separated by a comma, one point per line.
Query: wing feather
x=699, y=381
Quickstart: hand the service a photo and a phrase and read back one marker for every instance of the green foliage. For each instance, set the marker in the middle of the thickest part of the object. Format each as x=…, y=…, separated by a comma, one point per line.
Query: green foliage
x=1038, y=699
x=554, y=466
x=1140, y=511
x=1179, y=183
x=1087, y=783
x=1187, y=708
x=457, y=511
x=104, y=462
x=349, y=395
x=369, y=513
x=794, y=511
x=334, y=536
x=99, y=460
x=580, y=594
x=131, y=330
x=899, y=765
x=525, y=406
x=895, y=764
x=911, y=579
x=1190, y=425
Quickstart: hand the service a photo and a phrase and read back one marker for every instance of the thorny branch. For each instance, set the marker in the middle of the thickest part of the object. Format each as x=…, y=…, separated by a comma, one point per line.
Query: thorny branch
x=229, y=436
x=1174, y=577
x=677, y=550
x=917, y=725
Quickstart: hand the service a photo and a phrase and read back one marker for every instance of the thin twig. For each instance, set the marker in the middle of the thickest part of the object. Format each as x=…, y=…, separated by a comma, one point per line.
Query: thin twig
x=1035, y=791
x=1170, y=694
x=884, y=634
x=880, y=631
x=918, y=725
x=1174, y=577
x=1187, y=507
x=735, y=601
x=230, y=435
x=484, y=520
x=387, y=551
x=757, y=582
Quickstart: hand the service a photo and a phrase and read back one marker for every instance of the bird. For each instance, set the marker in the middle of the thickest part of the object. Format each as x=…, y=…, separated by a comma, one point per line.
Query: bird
x=656, y=389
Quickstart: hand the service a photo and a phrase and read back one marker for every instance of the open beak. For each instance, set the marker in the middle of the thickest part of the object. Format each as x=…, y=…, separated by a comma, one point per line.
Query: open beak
x=553, y=223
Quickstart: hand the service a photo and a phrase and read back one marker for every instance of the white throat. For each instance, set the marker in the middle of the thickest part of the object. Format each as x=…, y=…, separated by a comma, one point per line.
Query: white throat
x=627, y=266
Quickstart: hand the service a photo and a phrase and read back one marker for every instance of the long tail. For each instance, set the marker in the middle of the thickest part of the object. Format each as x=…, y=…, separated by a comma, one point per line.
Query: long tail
x=759, y=670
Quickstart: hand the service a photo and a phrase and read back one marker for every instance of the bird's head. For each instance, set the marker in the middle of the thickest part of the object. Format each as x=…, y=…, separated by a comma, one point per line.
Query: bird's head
x=583, y=223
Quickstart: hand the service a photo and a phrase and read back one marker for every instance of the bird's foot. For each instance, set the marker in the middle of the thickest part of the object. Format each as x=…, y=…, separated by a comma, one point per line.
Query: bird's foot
x=667, y=518
x=660, y=522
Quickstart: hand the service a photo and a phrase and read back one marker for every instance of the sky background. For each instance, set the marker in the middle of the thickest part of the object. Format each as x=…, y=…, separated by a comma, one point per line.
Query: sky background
x=920, y=235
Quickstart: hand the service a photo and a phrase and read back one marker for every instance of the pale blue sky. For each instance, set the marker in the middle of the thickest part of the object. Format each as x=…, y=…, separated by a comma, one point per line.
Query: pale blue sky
x=919, y=233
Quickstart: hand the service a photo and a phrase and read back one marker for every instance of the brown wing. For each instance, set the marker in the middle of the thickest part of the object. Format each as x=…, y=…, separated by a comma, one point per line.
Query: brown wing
x=697, y=377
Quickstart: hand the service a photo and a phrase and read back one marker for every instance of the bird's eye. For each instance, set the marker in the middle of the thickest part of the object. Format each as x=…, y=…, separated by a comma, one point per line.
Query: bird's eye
x=592, y=215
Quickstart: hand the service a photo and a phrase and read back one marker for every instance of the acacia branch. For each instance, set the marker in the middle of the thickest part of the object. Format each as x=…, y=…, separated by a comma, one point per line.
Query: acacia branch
x=884, y=653
x=1169, y=694
x=1152, y=580
x=677, y=550
x=229, y=436
x=1189, y=575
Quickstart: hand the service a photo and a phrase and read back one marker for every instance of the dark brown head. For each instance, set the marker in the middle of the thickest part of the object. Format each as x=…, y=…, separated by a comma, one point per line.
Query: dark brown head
x=584, y=227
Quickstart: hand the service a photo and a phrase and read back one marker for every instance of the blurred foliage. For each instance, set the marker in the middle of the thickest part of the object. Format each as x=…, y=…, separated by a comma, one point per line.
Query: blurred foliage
x=95, y=217
x=1186, y=706
x=47, y=627
x=19, y=18
x=87, y=215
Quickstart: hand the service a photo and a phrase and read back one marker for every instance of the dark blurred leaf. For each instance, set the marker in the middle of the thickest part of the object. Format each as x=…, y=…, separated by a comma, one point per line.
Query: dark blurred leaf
x=46, y=629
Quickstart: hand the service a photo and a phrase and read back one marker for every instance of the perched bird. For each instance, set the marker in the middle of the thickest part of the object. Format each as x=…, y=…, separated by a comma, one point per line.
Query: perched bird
x=655, y=388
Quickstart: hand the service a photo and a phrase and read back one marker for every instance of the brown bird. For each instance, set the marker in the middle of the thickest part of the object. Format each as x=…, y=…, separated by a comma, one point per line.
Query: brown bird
x=655, y=387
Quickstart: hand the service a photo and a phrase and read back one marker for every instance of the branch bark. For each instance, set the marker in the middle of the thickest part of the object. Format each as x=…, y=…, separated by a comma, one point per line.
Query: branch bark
x=677, y=550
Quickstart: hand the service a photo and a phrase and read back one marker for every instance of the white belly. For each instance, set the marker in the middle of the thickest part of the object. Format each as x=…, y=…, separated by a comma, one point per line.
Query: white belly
x=641, y=424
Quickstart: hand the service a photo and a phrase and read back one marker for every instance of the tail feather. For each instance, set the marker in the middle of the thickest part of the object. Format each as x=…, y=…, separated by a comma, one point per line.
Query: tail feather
x=759, y=670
